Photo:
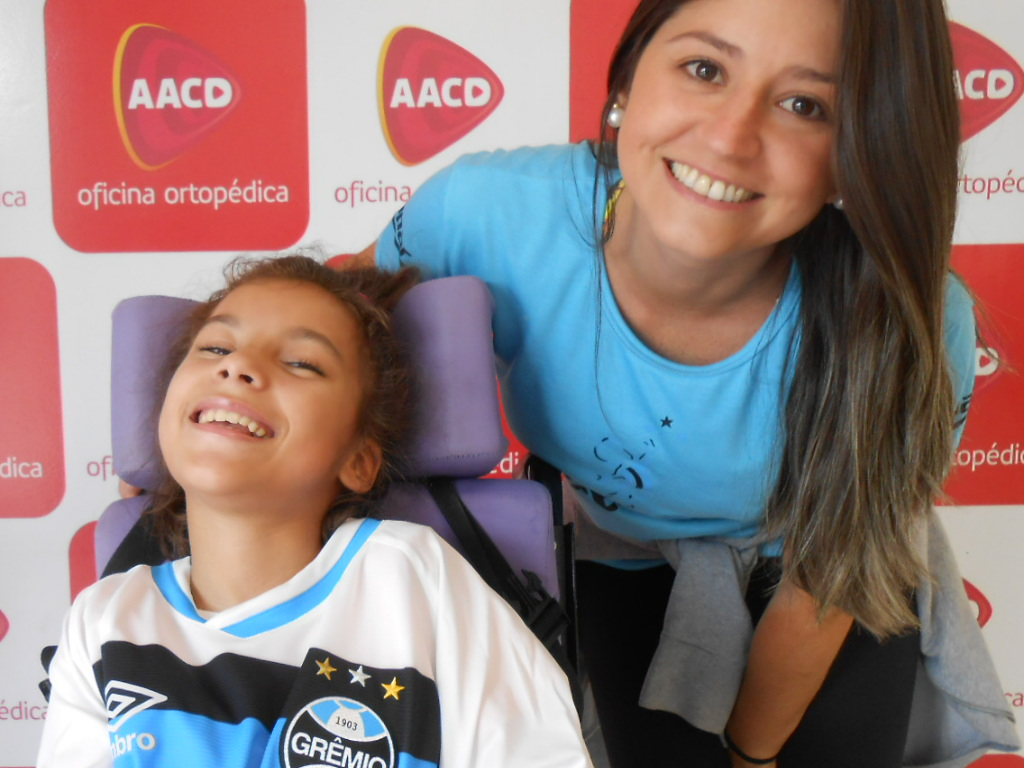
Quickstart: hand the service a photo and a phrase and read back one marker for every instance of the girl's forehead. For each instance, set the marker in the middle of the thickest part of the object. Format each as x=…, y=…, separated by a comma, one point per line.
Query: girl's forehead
x=280, y=293
x=274, y=303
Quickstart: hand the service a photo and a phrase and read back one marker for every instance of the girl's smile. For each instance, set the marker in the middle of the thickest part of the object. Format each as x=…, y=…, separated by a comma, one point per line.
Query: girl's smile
x=266, y=404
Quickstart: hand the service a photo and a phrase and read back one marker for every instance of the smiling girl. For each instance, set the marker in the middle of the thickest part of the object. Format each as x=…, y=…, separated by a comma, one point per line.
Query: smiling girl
x=293, y=631
x=731, y=324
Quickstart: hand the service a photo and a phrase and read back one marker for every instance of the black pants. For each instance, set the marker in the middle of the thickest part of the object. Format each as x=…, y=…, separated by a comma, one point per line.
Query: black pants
x=859, y=718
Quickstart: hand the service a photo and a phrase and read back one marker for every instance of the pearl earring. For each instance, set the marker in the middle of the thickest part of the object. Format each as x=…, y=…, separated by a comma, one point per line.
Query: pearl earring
x=838, y=203
x=615, y=116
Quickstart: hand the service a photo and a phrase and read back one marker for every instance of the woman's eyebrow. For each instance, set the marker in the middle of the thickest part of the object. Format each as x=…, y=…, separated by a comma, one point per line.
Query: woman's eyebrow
x=712, y=40
x=730, y=49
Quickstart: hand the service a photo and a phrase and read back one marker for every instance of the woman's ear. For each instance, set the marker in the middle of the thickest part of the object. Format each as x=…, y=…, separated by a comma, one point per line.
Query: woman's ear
x=361, y=467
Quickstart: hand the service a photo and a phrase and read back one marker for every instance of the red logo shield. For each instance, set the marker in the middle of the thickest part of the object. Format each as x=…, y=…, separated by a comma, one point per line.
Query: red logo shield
x=431, y=92
x=999, y=761
x=82, y=558
x=169, y=93
x=989, y=80
x=984, y=606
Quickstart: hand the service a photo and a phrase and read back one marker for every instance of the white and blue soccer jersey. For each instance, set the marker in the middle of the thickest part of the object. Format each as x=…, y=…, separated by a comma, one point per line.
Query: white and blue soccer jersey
x=386, y=651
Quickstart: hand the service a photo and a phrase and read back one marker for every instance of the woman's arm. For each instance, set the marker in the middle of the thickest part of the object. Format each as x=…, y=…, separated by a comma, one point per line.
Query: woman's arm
x=365, y=259
x=790, y=657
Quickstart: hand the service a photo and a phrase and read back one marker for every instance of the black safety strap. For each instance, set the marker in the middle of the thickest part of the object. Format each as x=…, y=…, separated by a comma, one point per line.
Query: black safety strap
x=539, y=610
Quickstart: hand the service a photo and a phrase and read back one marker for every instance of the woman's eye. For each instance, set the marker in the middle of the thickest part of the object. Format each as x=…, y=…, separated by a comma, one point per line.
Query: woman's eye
x=804, y=106
x=305, y=365
x=702, y=69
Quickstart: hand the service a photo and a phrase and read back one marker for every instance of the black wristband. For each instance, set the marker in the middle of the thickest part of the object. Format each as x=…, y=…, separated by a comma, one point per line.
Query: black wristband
x=731, y=746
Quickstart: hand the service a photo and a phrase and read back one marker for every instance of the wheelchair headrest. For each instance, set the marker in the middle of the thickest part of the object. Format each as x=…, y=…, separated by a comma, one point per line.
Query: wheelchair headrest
x=445, y=324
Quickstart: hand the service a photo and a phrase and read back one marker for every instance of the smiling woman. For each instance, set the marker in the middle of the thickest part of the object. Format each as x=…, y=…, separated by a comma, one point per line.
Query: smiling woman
x=731, y=323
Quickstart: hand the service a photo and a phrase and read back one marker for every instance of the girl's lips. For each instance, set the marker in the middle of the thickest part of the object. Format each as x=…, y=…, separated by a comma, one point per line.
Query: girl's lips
x=237, y=417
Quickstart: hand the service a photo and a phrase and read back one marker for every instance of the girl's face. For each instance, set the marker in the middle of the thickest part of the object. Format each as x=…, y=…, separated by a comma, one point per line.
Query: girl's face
x=726, y=141
x=265, y=406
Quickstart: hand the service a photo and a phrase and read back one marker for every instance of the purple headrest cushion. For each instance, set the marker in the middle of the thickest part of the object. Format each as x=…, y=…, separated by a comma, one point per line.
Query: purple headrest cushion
x=446, y=325
x=145, y=327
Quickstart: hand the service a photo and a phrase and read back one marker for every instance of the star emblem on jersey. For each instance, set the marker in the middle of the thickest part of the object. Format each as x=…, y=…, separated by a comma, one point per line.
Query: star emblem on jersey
x=359, y=676
x=393, y=689
x=325, y=668
x=125, y=700
x=666, y=422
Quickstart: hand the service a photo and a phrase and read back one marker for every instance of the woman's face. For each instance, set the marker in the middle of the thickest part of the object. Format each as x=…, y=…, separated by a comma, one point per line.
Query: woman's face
x=726, y=141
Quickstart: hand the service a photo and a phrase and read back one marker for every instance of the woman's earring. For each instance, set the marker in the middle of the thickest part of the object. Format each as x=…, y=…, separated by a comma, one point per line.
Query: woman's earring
x=838, y=203
x=615, y=116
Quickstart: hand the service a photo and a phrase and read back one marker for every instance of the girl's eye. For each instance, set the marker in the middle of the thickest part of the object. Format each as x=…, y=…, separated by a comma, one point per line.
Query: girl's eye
x=804, y=106
x=305, y=365
x=215, y=350
x=702, y=69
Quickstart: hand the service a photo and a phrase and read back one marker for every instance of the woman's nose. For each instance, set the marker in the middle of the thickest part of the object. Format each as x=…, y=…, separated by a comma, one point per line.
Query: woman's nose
x=734, y=126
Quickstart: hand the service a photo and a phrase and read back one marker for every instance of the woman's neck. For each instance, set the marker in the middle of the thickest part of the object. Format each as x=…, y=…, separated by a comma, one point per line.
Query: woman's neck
x=691, y=310
x=237, y=556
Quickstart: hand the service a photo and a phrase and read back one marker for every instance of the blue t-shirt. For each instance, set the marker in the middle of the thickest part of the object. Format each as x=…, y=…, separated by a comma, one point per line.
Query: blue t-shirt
x=656, y=449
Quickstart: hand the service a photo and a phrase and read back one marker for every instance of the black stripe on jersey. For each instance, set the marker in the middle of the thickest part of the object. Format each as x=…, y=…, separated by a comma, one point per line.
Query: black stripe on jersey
x=229, y=688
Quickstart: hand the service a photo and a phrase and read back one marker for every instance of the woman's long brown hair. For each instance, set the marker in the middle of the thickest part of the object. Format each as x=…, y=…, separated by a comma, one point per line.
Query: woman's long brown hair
x=869, y=418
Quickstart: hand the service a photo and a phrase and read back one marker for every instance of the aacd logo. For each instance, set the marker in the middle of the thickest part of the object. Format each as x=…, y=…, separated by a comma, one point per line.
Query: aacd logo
x=431, y=92
x=169, y=92
x=999, y=761
x=980, y=602
x=989, y=81
x=177, y=126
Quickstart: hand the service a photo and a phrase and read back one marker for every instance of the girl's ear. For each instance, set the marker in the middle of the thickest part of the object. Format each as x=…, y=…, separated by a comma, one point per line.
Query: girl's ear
x=361, y=467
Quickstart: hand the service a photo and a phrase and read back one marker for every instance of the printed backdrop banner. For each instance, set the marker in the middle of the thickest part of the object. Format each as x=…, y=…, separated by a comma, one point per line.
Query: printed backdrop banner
x=142, y=145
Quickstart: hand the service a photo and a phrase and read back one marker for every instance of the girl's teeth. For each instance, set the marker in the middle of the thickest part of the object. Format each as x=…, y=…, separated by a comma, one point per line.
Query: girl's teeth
x=717, y=191
x=230, y=417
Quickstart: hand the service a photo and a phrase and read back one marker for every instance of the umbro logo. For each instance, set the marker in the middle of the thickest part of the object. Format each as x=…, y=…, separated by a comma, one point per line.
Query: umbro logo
x=125, y=700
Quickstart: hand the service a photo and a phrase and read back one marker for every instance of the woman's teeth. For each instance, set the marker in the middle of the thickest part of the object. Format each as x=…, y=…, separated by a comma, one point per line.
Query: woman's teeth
x=230, y=417
x=704, y=185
